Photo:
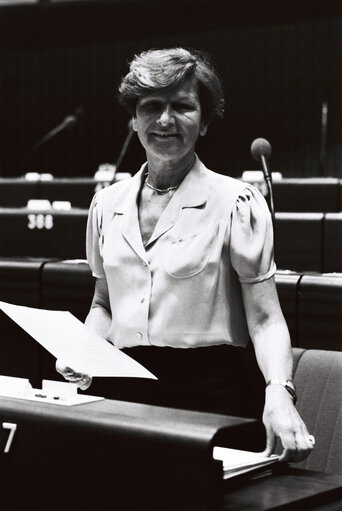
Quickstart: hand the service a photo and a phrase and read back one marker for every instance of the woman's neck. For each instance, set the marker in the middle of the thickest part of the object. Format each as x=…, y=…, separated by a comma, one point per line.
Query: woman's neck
x=166, y=173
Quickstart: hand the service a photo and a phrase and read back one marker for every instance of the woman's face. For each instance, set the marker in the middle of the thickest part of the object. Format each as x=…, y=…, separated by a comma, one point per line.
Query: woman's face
x=168, y=122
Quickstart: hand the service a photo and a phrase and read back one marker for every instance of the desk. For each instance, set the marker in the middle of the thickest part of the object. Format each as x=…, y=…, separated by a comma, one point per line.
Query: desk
x=290, y=194
x=79, y=191
x=307, y=194
x=113, y=454
x=130, y=457
x=43, y=233
x=298, y=241
x=303, y=241
x=288, y=489
x=15, y=192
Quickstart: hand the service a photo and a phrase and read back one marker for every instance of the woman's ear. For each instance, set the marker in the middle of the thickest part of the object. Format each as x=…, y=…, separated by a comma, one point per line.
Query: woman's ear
x=134, y=124
x=203, y=128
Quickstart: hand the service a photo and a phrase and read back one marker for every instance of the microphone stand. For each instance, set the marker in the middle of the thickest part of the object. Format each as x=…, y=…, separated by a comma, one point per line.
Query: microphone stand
x=52, y=133
x=68, y=122
x=269, y=184
x=322, y=154
x=123, y=149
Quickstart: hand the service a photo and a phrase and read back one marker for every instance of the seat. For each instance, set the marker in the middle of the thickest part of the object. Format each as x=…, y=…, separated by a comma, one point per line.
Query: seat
x=67, y=285
x=19, y=284
x=318, y=379
x=319, y=312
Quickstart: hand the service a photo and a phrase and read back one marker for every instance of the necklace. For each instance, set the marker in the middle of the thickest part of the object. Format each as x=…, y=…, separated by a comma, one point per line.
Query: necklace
x=159, y=190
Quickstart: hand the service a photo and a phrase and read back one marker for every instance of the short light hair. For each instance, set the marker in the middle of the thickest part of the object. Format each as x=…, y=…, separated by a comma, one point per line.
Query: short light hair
x=158, y=70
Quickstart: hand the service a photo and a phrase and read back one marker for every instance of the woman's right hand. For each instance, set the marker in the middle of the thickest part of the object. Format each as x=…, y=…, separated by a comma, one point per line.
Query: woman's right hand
x=83, y=381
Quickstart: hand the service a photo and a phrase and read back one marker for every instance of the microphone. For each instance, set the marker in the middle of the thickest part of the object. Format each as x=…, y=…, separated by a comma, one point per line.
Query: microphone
x=68, y=122
x=261, y=150
x=124, y=148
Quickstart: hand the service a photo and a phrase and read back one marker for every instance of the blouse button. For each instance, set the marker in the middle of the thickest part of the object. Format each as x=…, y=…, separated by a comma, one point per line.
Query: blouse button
x=138, y=336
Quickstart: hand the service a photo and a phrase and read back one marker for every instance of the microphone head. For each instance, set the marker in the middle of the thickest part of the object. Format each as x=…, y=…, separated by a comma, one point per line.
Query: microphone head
x=260, y=147
x=78, y=112
x=73, y=118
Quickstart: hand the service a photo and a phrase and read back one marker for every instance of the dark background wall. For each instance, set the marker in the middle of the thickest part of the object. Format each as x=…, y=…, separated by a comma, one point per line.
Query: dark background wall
x=279, y=62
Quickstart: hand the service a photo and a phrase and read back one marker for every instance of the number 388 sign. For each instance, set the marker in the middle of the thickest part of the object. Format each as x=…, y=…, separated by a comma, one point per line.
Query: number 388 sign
x=40, y=221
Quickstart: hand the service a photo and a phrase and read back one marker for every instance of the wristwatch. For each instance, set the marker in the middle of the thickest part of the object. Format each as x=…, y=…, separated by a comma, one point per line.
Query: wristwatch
x=288, y=384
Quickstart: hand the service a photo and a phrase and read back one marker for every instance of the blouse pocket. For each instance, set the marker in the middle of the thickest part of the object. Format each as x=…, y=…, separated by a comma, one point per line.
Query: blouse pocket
x=185, y=257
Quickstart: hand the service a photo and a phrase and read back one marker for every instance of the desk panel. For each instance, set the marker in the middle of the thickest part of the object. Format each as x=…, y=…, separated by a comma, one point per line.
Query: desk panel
x=79, y=191
x=15, y=192
x=48, y=233
x=333, y=242
x=306, y=195
x=61, y=234
x=298, y=241
x=116, y=455
x=129, y=456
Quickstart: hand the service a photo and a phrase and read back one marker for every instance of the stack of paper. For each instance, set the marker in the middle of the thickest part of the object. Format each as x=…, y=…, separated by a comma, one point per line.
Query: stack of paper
x=236, y=462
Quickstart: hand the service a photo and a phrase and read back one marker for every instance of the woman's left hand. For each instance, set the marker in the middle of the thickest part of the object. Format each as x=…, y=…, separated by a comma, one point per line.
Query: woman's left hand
x=282, y=421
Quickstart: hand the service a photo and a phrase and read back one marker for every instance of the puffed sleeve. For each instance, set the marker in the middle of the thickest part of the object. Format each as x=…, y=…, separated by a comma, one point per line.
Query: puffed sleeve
x=251, y=242
x=94, y=238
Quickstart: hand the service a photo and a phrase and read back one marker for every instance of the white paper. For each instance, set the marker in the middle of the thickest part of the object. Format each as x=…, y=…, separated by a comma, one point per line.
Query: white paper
x=69, y=340
x=236, y=461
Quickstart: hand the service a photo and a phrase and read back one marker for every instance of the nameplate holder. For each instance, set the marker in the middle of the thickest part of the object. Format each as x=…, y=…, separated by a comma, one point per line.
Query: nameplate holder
x=52, y=392
x=11, y=386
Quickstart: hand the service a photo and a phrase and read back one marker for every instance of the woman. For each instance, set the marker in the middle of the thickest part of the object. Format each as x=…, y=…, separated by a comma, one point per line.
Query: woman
x=183, y=256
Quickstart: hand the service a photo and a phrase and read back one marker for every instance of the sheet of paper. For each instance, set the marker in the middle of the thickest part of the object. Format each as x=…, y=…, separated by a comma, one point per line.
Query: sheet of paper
x=236, y=461
x=69, y=340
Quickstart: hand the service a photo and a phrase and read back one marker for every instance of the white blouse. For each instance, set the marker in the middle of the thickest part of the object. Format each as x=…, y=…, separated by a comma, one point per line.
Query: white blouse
x=183, y=288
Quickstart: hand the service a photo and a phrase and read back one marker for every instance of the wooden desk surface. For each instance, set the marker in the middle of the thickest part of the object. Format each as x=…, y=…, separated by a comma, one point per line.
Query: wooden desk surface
x=287, y=489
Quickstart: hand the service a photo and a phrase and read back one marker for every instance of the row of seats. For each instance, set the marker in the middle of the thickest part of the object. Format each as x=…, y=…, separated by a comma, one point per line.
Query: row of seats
x=303, y=241
x=290, y=194
x=311, y=303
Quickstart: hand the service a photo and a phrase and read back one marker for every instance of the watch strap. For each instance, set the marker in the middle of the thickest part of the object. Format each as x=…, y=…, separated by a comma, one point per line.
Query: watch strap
x=288, y=384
